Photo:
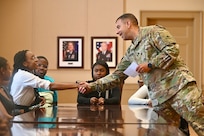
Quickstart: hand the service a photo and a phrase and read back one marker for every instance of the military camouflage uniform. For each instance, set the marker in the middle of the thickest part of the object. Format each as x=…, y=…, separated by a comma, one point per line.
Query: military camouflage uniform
x=170, y=82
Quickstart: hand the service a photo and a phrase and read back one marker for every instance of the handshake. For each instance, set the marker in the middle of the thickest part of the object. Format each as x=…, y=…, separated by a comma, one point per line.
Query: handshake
x=83, y=87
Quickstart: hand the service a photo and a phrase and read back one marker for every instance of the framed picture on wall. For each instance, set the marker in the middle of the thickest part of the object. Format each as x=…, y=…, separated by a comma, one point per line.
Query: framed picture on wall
x=70, y=52
x=104, y=48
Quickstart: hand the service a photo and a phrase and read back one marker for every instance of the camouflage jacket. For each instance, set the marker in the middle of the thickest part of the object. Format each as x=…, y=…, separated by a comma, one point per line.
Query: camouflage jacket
x=154, y=44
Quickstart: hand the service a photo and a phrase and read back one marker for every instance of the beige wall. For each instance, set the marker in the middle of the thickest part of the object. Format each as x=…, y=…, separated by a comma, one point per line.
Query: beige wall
x=35, y=25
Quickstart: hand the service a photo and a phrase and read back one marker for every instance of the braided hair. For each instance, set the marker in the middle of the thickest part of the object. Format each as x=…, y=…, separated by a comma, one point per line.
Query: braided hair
x=19, y=59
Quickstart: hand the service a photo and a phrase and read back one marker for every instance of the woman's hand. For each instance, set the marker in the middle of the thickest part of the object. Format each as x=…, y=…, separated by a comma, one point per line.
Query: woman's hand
x=150, y=103
x=101, y=101
x=93, y=100
x=42, y=100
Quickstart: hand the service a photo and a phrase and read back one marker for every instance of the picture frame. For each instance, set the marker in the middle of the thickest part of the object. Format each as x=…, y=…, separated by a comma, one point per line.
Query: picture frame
x=70, y=52
x=107, y=44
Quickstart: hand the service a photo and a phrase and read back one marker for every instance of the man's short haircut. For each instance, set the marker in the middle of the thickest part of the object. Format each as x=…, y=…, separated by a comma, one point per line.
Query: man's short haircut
x=129, y=16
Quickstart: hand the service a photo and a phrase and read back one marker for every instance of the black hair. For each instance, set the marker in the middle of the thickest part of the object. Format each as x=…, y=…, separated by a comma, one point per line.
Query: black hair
x=42, y=57
x=3, y=62
x=129, y=16
x=19, y=59
x=102, y=63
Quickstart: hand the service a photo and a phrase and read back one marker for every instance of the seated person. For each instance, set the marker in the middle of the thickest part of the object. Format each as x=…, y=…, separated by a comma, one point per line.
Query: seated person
x=23, y=82
x=6, y=102
x=51, y=97
x=7, y=109
x=140, y=96
x=112, y=96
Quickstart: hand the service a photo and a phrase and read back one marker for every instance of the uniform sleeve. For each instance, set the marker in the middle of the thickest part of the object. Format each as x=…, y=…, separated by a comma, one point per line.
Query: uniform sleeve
x=112, y=80
x=166, y=47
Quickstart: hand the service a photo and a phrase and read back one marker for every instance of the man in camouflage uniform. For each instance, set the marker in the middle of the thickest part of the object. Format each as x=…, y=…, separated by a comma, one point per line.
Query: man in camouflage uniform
x=169, y=80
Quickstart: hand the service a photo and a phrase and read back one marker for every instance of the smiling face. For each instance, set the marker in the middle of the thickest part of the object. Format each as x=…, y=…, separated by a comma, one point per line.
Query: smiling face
x=42, y=67
x=122, y=28
x=31, y=61
x=127, y=28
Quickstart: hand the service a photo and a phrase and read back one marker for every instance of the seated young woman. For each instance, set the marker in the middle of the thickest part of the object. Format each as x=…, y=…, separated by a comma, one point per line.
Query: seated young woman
x=112, y=96
x=6, y=102
x=140, y=97
x=51, y=97
x=24, y=82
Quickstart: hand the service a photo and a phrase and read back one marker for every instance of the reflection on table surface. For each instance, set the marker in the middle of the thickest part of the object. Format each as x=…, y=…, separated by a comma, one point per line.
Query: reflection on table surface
x=95, y=120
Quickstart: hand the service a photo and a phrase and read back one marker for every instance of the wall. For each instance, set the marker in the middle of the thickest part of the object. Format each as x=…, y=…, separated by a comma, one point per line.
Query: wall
x=35, y=25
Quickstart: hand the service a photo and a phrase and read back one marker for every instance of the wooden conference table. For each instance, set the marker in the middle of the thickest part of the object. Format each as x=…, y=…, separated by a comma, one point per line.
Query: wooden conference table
x=86, y=120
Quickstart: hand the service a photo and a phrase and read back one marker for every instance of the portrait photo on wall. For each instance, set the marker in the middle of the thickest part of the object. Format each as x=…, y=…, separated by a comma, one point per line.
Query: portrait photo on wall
x=70, y=52
x=104, y=48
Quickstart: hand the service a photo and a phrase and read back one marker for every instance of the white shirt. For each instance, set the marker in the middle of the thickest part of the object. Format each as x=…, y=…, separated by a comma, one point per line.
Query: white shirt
x=139, y=97
x=146, y=114
x=27, y=129
x=22, y=87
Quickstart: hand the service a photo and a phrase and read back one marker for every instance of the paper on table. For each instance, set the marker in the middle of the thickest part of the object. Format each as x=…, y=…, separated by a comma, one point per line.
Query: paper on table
x=131, y=70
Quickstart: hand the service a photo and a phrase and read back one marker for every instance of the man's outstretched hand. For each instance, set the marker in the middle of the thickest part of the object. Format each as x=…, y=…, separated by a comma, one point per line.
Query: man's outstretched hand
x=84, y=87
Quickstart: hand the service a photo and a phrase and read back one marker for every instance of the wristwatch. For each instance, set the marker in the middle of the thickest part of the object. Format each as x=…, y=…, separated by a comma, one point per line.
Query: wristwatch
x=150, y=65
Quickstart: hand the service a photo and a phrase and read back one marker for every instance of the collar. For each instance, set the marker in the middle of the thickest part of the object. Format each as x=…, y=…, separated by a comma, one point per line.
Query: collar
x=138, y=38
